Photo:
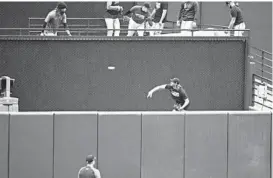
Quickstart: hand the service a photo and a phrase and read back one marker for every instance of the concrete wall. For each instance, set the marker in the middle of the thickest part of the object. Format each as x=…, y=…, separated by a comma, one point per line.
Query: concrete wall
x=136, y=144
x=258, y=15
x=72, y=74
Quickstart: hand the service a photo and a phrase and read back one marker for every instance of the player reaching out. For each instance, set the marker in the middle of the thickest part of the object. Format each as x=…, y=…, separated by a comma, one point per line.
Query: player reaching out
x=178, y=93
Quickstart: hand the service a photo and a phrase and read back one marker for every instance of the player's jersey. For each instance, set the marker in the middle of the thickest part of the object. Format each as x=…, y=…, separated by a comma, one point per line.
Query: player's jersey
x=178, y=93
x=138, y=15
x=112, y=13
x=87, y=172
x=54, y=20
x=159, y=12
x=237, y=13
x=188, y=11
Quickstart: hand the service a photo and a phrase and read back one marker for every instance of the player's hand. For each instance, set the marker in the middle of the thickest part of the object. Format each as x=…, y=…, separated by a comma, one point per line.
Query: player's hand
x=178, y=23
x=126, y=18
x=120, y=8
x=150, y=94
x=140, y=16
x=194, y=25
x=42, y=34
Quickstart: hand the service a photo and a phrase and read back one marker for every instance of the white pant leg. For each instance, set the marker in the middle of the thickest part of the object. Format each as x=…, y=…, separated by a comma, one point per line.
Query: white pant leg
x=110, y=25
x=241, y=26
x=46, y=33
x=132, y=27
x=142, y=27
x=117, y=26
x=185, y=25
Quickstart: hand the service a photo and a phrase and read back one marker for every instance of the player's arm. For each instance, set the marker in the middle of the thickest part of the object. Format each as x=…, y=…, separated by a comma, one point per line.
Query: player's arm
x=164, y=12
x=187, y=101
x=180, y=14
x=157, y=88
x=80, y=172
x=153, y=13
x=233, y=18
x=47, y=19
x=97, y=173
x=196, y=9
x=65, y=25
x=132, y=10
x=109, y=7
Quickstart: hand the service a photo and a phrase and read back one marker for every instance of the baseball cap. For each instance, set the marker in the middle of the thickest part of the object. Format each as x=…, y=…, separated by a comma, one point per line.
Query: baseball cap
x=61, y=5
x=90, y=158
x=175, y=80
x=147, y=5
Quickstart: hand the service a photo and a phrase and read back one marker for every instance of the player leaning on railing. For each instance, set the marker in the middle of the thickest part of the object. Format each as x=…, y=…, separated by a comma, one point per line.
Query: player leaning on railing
x=54, y=19
x=237, y=21
x=140, y=16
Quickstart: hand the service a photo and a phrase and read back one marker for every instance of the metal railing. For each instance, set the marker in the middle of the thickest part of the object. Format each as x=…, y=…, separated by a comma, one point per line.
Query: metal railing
x=259, y=102
x=79, y=26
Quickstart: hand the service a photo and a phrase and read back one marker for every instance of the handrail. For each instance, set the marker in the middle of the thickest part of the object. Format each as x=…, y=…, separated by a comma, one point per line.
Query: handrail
x=258, y=76
x=261, y=50
x=92, y=29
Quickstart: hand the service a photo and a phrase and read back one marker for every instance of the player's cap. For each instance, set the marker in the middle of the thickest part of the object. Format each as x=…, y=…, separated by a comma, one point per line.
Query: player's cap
x=227, y=2
x=90, y=158
x=147, y=5
x=175, y=80
x=61, y=5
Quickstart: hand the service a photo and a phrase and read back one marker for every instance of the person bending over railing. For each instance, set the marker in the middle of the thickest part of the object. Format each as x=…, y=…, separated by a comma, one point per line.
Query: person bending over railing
x=54, y=19
x=113, y=11
x=237, y=21
x=140, y=16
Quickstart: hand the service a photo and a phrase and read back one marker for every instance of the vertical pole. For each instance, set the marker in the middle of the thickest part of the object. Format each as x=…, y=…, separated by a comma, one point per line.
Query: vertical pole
x=262, y=64
x=248, y=95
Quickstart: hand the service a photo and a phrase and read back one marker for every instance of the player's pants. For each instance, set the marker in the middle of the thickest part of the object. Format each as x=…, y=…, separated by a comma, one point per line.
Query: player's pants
x=177, y=107
x=133, y=26
x=156, y=26
x=112, y=24
x=47, y=33
x=241, y=26
x=185, y=25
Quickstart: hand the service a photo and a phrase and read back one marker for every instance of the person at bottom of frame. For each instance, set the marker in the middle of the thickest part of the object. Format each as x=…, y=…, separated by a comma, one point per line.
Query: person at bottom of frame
x=89, y=171
x=178, y=93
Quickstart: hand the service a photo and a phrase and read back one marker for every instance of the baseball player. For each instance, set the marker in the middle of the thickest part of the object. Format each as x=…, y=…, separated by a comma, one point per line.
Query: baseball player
x=178, y=93
x=54, y=19
x=89, y=171
x=159, y=15
x=140, y=16
x=113, y=11
x=188, y=15
x=237, y=21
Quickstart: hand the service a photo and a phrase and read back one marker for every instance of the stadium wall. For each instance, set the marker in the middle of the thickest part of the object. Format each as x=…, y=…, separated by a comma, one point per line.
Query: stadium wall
x=136, y=144
x=72, y=74
x=258, y=15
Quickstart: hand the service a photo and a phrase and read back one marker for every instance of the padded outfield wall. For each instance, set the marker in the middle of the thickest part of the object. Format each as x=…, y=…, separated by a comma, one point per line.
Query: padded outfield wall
x=72, y=74
x=137, y=144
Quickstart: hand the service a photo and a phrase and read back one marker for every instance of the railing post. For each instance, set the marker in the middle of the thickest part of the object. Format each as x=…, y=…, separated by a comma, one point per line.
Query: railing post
x=262, y=63
x=248, y=94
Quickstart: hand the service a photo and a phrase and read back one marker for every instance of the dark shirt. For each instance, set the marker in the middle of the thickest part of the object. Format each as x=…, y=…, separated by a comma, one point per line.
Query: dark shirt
x=86, y=172
x=188, y=11
x=237, y=13
x=138, y=15
x=112, y=13
x=178, y=93
x=159, y=12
